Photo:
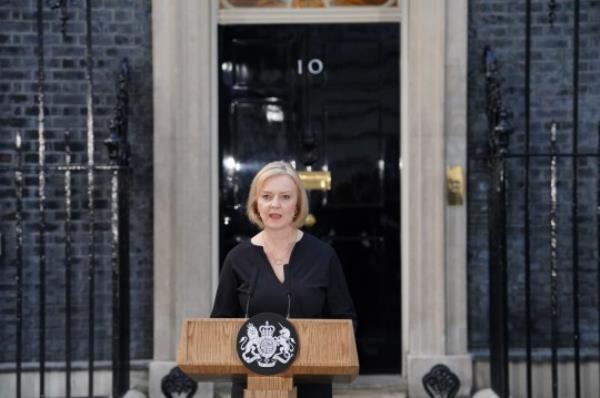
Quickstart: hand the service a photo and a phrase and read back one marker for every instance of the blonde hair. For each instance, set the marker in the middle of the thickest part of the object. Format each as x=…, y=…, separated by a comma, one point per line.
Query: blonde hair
x=270, y=170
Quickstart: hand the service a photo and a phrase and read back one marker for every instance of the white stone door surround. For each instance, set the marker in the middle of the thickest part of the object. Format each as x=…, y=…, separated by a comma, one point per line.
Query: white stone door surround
x=433, y=136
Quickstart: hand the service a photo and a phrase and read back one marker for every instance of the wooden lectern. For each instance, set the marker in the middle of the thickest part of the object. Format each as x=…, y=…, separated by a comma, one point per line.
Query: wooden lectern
x=207, y=351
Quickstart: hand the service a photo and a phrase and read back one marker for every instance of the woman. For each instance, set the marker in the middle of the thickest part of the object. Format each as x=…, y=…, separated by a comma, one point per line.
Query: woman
x=258, y=274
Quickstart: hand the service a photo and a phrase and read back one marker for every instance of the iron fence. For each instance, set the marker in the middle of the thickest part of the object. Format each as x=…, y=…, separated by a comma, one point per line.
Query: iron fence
x=88, y=177
x=540, y=196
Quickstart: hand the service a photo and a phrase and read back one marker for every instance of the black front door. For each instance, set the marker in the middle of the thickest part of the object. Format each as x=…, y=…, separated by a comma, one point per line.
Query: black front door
x=323, y=97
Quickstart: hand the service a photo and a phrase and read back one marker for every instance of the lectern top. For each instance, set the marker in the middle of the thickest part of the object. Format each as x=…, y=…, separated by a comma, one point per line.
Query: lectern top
x=207, y=349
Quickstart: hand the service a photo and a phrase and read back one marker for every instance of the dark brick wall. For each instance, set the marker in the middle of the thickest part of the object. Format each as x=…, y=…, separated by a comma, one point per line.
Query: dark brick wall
x=121, y=28
x=501, y=24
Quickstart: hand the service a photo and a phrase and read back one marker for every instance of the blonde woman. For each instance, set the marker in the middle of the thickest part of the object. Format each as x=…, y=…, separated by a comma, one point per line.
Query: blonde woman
x=282, y=269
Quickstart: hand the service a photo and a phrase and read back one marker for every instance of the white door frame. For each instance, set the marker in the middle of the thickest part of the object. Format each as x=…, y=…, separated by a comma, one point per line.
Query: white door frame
x=432, y=136
x=340, y=15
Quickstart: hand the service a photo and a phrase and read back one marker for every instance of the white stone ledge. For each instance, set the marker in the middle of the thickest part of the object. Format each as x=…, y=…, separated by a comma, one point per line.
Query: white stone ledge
x=313, y=16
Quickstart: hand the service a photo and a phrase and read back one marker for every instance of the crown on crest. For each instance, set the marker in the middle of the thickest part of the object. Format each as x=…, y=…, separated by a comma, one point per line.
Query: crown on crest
x=267, y=330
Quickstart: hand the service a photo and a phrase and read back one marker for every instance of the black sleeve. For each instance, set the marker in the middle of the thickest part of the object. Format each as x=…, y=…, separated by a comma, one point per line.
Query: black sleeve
x=339, y=301
x=226, y=301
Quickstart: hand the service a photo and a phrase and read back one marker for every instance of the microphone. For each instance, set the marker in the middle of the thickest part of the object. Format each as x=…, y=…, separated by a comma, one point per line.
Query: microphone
x=288, y=287
x=251, y=289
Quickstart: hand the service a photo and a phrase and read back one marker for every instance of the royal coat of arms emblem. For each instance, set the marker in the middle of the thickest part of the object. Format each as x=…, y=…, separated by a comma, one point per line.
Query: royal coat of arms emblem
x=267, y=344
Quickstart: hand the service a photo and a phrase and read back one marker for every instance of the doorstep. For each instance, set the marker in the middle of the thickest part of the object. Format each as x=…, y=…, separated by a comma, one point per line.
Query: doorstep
x=367, y=386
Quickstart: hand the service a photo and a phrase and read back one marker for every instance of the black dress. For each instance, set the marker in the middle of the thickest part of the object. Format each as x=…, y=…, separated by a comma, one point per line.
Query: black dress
x=315, y=278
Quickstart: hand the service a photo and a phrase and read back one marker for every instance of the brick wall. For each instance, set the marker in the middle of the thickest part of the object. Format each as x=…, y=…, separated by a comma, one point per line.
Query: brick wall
x=501, y=24
x=121, y=28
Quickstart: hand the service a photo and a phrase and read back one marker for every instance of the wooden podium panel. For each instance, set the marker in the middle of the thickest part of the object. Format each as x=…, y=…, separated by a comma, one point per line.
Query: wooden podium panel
x=327, y=349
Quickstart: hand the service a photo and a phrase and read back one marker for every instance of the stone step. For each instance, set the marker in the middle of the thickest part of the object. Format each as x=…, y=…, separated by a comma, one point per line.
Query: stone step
x=362, y=393
x=370, y=393
x=371, y=386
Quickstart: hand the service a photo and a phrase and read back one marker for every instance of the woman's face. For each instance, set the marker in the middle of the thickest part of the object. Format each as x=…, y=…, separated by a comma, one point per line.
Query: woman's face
x=276, y=202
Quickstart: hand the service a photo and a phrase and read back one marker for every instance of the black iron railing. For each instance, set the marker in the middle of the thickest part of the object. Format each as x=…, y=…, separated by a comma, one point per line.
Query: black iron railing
x=557, y=196
x=114, y=178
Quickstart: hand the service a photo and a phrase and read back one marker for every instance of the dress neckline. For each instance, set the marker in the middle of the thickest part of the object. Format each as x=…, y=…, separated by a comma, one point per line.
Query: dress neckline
x=295, y=243
x=266, y=259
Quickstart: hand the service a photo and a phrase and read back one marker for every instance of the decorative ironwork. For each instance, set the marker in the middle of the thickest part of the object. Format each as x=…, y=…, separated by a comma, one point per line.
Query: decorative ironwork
x=574, y=200
x=498, y=118
x=19, y=258
x=497, y=221
x=552, y=12
x=41, y=170
x=118, y=148
x=68, y=263
x=598, y=235
x=64, y=14
x=499, y=131
x=553, y=262
x=118, y=152
x=526, y=214
x=41, y=194
x=441, y=382
x=90, y=193
x=177, y=383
